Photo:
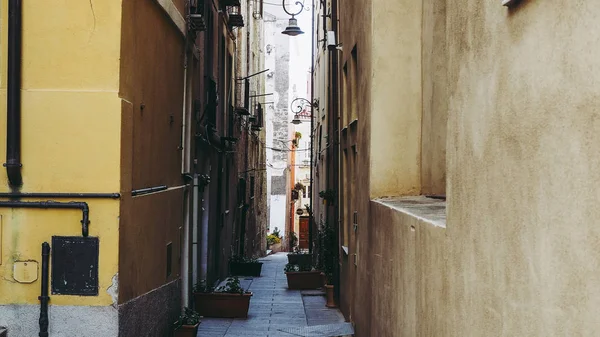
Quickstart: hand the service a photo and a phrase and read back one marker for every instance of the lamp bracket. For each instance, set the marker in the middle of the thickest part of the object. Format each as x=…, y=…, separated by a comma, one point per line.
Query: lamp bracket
x=297, y=3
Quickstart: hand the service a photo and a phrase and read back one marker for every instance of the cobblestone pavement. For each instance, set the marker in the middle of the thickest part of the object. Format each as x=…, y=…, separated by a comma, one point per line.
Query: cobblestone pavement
x=273, y=308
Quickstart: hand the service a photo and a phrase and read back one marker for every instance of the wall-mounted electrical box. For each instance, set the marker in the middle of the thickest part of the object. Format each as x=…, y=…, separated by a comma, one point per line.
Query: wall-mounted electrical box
x=75, y=265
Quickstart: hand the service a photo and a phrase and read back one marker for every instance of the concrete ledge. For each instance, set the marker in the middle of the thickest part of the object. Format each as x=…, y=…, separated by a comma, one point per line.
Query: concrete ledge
x=431, y=211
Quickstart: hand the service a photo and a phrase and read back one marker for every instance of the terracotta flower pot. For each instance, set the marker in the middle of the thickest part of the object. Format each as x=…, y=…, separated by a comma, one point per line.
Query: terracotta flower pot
x=222, y=304
x=245, y=269
x=302, y=280
x=186, y=331
x=329, y=290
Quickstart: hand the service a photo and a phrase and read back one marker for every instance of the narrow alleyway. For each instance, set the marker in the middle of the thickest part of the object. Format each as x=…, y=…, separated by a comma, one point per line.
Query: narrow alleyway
x=276, y=311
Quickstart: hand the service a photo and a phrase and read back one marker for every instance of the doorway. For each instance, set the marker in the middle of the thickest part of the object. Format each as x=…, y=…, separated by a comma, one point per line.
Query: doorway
x=303, y=238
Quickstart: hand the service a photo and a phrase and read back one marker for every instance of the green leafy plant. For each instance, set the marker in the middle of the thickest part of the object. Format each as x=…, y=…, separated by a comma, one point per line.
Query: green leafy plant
x=298, y=135
x=297, y=268
x=327, y=250
x=328, y=195
x=291, y=268
x=293, y=239
x=202, y=287
x=188, y=317
x=276, y=232
x=242, y=259
x=299, y=186
x=232, y=286
x=273, y=239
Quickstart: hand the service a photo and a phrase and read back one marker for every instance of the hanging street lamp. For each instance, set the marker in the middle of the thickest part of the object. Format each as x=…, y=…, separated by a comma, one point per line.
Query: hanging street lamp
x=297, y=107
x=292, y=29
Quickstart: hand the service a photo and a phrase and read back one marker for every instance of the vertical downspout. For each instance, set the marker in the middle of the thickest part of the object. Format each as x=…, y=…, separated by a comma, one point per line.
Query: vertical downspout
x=312, y=128
x=204, y=233
x=44, y=298
x=13, y=112
x=336, y=150
x=185, y=247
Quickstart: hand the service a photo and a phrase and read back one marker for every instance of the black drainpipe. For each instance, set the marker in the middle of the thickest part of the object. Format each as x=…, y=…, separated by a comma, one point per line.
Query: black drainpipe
x=44, y=298
x=61, y=195
x=13, y=102
x=83, y=206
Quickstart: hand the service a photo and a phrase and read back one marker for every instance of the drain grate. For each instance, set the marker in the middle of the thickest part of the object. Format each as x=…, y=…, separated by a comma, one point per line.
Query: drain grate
x=328, y=330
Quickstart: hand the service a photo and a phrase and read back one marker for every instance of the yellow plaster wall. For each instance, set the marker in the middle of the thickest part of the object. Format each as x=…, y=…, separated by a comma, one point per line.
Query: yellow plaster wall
x=70, y=133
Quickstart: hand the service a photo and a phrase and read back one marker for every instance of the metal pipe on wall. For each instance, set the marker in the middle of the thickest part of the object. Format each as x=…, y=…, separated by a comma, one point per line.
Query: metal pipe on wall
x=13, y=101
x=148, y=190
x=83, y=206
x=335, y=121
x=19, y=195
x=44, y=298
x=203, y=275
x=312, y=126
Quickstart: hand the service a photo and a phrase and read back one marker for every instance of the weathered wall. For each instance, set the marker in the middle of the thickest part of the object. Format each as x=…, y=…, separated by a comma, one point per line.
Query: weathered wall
x=435, y=98
x=70, y=143
x=518, y=256
x=396, y=95
x=522, y=168
x=151, y=88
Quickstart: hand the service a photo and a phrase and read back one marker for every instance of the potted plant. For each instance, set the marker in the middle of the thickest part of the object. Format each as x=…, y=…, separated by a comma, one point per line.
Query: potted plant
x=242, y=265
x=299, y=187
x=299, y=258
x=187, y=324
x=274, y=241
x=301, y=277
x=328, y=196
x=229, y=301
x=327, y=259
x=293, y=240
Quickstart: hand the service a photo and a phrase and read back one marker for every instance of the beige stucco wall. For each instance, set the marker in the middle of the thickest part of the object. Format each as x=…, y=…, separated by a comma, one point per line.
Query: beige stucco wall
x=523, y=168
x=396, y=93
x=435, y=98
x=519, y=254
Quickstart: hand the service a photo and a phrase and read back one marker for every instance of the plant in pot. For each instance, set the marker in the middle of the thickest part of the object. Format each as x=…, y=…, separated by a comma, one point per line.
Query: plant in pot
x=293, y=240
x=302, y=277
x=274, y=241
x=187, y=324
x=327, y=259
x=228, y=301
x=299, y=257
x=328, y=196
x=242, y=265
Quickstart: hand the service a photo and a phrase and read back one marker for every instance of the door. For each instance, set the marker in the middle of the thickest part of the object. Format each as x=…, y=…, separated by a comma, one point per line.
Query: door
x=303, y=239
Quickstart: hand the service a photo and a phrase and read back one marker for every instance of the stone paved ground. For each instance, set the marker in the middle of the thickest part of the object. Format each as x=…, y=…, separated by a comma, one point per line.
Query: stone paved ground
x=273, y=307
